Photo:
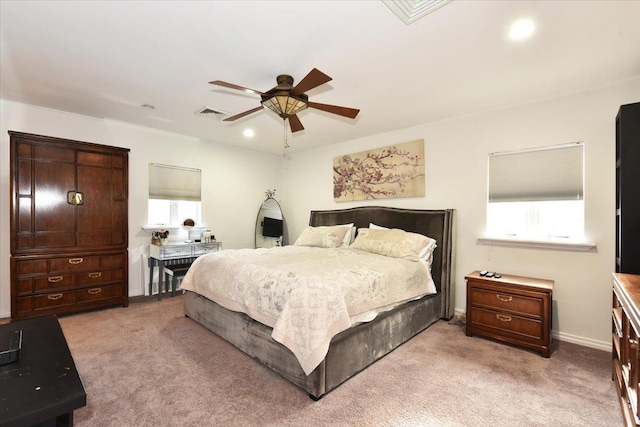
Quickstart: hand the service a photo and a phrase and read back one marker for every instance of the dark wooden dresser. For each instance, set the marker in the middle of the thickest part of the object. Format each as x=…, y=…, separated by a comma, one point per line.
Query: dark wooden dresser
x=512, y=309
x=69, y=229
x=625, y=337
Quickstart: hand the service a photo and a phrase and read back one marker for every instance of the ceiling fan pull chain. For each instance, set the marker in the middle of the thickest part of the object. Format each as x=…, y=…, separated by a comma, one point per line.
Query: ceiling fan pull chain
x=286, y=144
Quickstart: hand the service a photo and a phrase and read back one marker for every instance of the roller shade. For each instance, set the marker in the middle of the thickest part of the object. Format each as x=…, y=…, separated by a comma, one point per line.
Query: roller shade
x=173, y=183
x=549, y=173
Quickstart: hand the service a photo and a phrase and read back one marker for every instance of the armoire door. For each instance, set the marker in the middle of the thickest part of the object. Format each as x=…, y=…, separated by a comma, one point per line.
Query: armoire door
x=102, y=215
x=44, y=175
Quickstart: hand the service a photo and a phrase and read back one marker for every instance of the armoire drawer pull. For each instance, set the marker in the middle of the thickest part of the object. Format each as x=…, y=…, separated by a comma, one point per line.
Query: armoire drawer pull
x=75, y=260
x=504, y=298
x=54, y=279
x=54, y=297
x=95, y=275
x=503, y=318
x=95, y=291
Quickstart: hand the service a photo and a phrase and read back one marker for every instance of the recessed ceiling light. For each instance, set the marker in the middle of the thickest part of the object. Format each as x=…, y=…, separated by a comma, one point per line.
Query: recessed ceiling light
x=148, y=106
x=248, y=133
x=521, y=29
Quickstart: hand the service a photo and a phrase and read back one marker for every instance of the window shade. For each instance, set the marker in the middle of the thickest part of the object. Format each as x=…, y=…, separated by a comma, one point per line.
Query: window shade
x=549, y=173
x=173, y=183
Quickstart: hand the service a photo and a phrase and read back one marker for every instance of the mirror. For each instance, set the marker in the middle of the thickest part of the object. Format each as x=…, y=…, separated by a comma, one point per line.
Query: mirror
x=188, y=225
x=269, y=224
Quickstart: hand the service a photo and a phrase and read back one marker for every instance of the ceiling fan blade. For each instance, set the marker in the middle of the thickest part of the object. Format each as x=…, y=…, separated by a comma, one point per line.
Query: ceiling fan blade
x=232, y=86
x=335, y=109
x=314, y=79
x=241, y=115
x=295, y=124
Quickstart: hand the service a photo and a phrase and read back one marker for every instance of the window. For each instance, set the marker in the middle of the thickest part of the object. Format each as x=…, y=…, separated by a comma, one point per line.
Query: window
x=174, y=194
x=537, y=194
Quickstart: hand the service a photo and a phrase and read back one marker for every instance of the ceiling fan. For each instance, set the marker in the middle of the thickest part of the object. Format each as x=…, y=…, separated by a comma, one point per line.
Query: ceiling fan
x=287, y=100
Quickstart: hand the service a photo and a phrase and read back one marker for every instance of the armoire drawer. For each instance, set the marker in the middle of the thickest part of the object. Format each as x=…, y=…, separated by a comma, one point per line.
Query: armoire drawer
x=69, y=264
x=99, y=277
x=53, y=300
x=53, y=283
x=74, y=263
x=99, y=293
x=30, y=304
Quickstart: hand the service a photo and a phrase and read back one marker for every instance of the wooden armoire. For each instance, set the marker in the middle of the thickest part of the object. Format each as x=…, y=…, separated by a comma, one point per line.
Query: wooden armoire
x=69, y=229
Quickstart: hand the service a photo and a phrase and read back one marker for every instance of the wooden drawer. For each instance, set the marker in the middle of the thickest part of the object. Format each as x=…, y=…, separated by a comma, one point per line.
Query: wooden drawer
x=506, y=301
x=28, y=267
x=53, y=300
x=53, y=283
x=29, y=285
x=99, y=293
x=29, y=305
x=69, y=264
x=99, y=277
x=78, y=263
x=523, y=327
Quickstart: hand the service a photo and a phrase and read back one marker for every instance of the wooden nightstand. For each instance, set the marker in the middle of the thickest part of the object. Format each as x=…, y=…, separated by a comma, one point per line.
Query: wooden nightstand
x=513, y=309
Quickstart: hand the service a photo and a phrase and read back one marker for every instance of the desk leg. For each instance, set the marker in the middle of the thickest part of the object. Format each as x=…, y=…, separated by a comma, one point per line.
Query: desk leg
x=152, y=263
x=160, y=278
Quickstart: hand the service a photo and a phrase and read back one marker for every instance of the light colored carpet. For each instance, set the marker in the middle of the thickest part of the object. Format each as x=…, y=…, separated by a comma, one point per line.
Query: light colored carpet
x=148, y=365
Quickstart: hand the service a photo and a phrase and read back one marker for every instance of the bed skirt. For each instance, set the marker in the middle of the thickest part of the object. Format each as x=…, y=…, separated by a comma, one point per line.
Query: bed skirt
x=349, y=352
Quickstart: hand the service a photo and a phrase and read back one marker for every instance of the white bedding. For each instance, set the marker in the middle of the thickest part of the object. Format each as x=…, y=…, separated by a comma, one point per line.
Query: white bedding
x=307, y=294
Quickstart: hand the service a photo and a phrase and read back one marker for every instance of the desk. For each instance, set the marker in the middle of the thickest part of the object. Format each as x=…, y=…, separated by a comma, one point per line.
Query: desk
x=181, y=252
x=43, y=386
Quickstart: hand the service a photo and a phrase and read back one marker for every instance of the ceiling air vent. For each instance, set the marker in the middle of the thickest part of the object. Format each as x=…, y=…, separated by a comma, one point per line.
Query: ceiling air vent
x=411, y=11
x=211, y=112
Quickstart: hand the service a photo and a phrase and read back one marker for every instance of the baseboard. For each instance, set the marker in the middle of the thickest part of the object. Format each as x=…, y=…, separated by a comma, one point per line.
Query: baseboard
x=585, y=342
x=5, y=314
x=563, y=336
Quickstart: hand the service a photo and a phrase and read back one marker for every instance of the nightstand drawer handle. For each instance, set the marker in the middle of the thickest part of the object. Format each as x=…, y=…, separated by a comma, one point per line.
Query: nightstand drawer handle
x=504, y=298
x=54, y=297
x=503, y=318
x=95, y=291
x=54, y=279
x=95, y=275
x=75, y=260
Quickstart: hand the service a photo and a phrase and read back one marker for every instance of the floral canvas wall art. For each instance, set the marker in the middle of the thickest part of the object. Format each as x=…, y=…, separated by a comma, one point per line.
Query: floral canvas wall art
x=381, y=173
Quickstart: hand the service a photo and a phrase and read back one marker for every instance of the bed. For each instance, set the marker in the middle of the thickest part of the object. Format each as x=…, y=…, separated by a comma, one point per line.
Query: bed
x=360, y=345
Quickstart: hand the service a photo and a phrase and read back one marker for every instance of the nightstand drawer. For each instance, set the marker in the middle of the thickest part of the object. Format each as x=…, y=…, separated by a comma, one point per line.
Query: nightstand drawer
x=507, y=301
x=521, y=326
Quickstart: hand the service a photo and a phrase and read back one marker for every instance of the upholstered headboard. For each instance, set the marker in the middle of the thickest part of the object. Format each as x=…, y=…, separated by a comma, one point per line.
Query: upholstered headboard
x=437, y=224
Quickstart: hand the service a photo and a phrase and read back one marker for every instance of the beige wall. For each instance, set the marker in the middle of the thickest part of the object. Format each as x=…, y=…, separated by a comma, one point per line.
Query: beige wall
x=456, y=169
x=226, y=173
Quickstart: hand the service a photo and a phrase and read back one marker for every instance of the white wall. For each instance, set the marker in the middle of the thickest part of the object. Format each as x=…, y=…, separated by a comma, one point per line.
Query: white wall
x=456, y=151
x=233, y=180
x=456, y=175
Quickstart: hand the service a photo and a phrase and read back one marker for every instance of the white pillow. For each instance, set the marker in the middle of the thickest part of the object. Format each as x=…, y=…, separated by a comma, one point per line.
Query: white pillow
x=324, y=237
x=426, y=254
x=349, y=235
x=394, y=243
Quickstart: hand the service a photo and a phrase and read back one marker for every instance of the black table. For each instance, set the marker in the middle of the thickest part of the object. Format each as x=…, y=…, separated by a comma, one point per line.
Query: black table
x=44, y=385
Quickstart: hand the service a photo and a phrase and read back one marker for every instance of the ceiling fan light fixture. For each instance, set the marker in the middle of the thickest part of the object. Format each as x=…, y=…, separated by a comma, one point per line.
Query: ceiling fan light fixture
x=285, y=105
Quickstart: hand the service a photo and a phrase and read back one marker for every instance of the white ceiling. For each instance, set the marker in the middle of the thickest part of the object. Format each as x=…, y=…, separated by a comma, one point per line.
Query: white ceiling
x=106, y=59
